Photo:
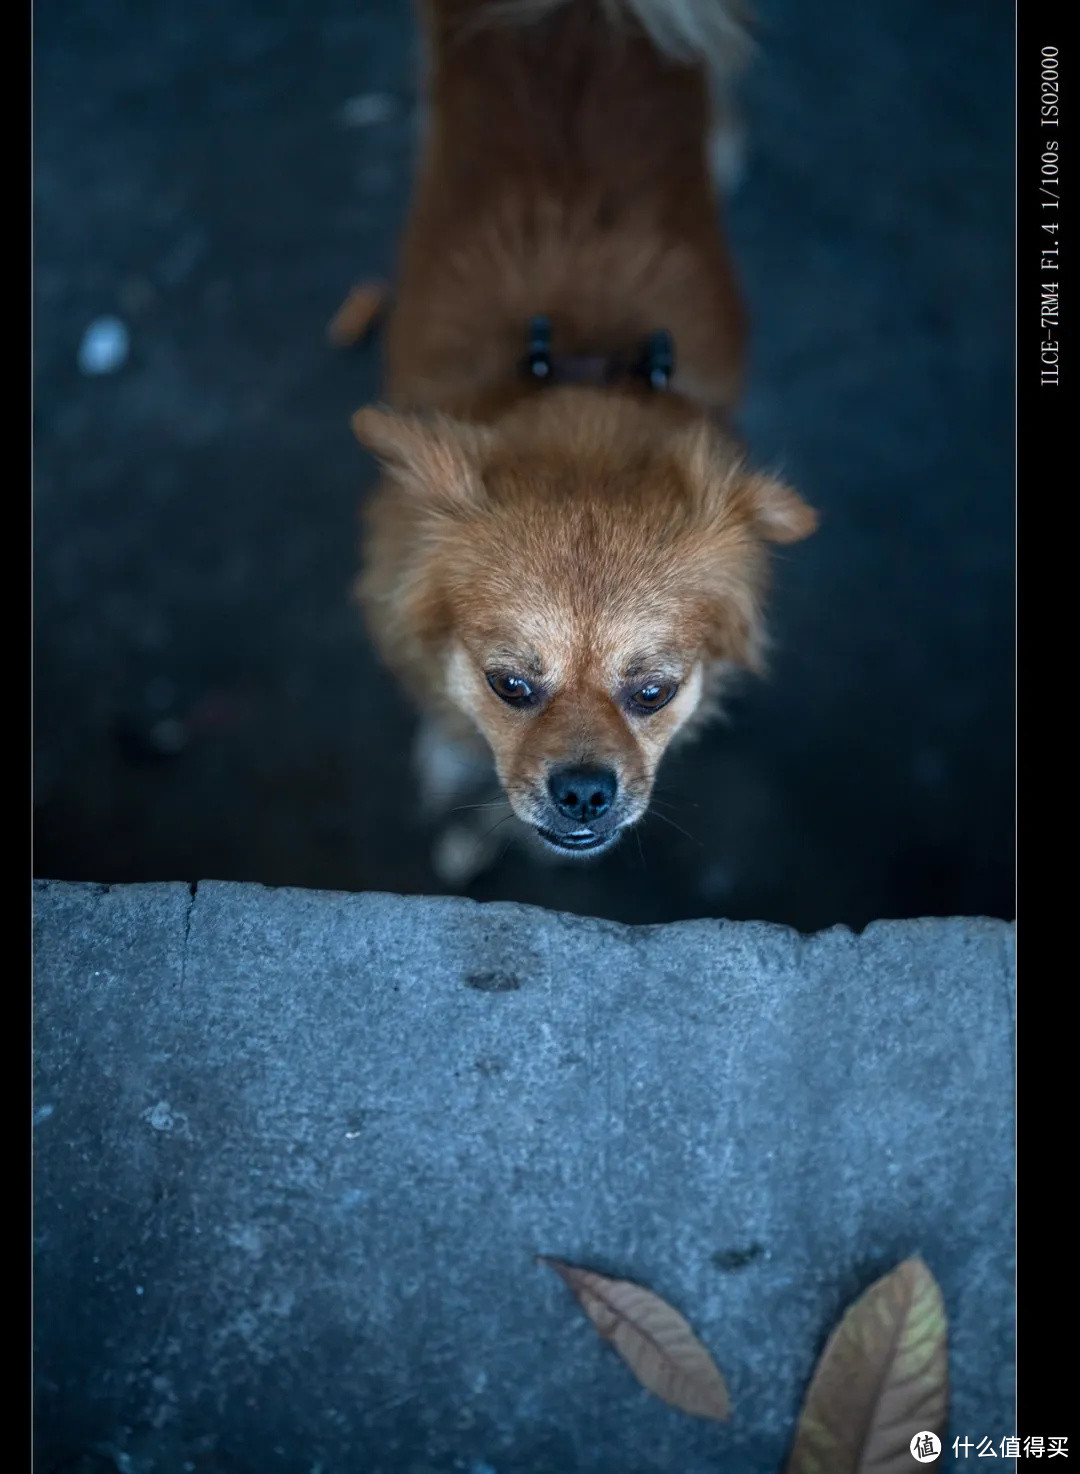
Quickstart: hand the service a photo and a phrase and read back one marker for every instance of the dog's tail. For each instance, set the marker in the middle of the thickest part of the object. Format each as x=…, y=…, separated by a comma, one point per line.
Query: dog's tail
x=709, y=33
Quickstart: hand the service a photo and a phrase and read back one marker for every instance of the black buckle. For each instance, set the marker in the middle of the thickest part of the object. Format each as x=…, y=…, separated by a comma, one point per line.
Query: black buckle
x=658, y=360
x=655, y=365
x=538, y=359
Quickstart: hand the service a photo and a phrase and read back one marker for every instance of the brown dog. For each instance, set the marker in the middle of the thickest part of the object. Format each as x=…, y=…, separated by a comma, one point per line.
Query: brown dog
x=567, y=551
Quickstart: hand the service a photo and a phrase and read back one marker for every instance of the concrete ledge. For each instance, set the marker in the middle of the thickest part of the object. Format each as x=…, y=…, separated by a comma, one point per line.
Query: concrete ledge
x=295, y=1153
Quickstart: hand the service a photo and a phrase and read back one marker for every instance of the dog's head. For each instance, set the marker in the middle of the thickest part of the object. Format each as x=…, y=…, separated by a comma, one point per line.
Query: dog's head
x=573, y=581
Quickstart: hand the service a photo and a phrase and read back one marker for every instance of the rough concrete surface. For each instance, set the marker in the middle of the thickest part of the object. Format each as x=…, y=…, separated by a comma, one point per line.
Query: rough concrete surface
x=295, y=1153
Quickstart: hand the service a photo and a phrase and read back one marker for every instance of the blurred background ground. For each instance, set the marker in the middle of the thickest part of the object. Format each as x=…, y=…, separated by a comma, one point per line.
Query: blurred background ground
x=217, y=173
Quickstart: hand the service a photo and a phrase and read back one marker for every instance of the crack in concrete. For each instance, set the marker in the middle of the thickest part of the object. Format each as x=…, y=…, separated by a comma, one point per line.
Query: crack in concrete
x=193, y=888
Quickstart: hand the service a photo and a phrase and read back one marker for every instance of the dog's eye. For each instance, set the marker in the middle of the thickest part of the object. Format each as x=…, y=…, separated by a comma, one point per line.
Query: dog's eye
x=514, y=690
x=652, y=697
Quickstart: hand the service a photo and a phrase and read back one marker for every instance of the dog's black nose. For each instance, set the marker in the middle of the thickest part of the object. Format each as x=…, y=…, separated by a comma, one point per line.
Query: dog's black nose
x=583, y=793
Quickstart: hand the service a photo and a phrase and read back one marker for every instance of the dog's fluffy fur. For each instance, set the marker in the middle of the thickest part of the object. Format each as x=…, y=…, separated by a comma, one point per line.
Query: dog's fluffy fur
x=585, y=552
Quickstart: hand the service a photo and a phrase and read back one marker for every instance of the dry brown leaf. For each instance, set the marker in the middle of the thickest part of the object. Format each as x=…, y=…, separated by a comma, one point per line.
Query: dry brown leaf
x=653, y=1339
x=357, y=314
x=882, y=1378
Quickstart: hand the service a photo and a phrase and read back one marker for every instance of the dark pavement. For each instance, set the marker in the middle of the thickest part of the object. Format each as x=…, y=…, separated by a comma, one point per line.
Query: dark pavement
x=205, y=174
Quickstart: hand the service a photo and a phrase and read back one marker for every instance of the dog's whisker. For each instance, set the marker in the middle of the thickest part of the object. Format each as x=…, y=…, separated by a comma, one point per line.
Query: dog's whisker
x=692, y=838
x=489, y=832
x=448, y=799
x=669, y=803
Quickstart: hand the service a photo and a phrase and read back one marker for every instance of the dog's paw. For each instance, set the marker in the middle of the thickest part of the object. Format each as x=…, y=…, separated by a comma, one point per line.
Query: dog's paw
x=461, y=853
x=727, y=148
x=447, y=773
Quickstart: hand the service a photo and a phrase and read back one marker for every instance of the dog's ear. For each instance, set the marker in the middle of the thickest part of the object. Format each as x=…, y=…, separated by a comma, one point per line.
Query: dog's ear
x=723, y=485
x=780, y=514
x=734, y=513
x=433, y=457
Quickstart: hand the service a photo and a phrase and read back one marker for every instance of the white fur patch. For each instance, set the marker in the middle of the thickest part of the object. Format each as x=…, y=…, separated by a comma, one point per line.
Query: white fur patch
x=462, y=683
x=686, y=702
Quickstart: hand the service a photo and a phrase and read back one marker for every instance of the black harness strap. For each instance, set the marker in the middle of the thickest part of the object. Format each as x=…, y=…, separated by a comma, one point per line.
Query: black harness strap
x=654, y=364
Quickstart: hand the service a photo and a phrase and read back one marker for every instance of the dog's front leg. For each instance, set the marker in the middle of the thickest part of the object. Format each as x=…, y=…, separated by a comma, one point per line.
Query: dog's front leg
x=449, y=771
x=460, y=794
